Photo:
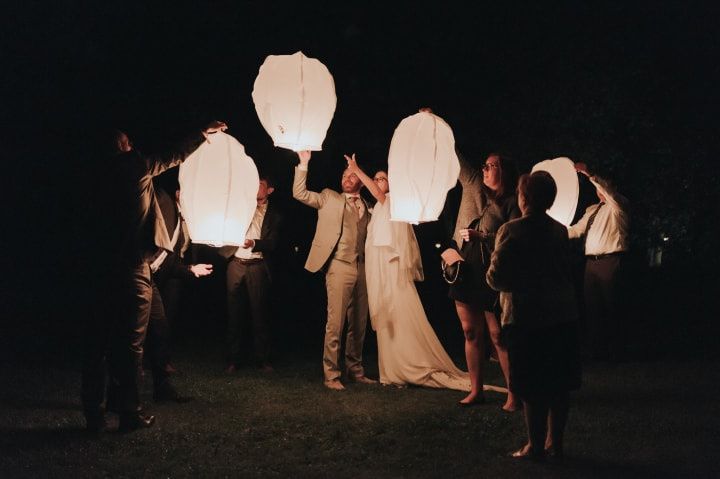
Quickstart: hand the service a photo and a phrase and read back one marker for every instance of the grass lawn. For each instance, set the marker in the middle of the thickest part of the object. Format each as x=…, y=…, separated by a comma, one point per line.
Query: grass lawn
x=649, y=419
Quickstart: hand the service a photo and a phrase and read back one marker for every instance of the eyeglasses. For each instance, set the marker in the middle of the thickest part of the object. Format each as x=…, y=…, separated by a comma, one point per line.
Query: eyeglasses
x=488, y=166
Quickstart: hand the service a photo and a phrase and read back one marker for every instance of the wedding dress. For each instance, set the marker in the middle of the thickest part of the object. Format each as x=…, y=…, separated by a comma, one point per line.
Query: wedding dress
x=409, y=351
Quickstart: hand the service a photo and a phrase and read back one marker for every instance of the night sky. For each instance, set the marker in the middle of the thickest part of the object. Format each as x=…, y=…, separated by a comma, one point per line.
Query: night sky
x=630, y=88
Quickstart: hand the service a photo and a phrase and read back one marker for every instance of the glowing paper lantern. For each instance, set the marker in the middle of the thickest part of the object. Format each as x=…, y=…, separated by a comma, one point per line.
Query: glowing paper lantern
x=422, y=167
x=568, y=188
x=218, y=190
x=295, y=100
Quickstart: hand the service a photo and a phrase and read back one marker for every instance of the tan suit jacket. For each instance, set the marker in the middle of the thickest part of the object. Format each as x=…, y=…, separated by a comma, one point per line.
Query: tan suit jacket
x=331, y=206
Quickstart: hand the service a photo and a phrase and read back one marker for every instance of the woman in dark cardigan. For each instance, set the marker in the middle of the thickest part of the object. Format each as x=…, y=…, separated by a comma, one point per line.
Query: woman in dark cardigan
x=531, y=262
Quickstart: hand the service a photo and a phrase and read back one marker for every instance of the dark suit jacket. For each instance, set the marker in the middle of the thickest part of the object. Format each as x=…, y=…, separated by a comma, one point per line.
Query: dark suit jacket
x=173, y=266
x=269, y=237
x=137, y=221
x=532, y=261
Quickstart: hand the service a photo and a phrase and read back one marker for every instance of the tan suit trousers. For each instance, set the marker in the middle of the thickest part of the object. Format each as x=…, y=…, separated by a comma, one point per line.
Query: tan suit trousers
x=347, y=298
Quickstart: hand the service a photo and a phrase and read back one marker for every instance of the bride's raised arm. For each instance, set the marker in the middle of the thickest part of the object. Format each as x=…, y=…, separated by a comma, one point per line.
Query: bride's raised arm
x=366, y=180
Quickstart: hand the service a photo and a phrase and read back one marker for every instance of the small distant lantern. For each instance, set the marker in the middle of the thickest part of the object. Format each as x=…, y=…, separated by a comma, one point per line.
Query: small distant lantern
x=422, y=167
x=218, y=191
x=295, y=100
x=568, y=188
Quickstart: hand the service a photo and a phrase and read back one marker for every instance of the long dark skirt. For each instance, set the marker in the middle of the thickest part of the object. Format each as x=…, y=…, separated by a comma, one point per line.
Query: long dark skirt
x=543, y=362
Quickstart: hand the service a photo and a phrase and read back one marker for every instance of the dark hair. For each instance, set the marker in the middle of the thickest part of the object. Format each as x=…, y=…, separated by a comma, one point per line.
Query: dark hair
x=508, y=177
x=105, y=142
x=267, y=178
x=538, y=189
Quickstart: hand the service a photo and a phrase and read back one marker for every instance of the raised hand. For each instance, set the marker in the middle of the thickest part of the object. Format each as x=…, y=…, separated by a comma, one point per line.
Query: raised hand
x=582, y=168
x=304, y=156
x=214, y=127
x=352, y=163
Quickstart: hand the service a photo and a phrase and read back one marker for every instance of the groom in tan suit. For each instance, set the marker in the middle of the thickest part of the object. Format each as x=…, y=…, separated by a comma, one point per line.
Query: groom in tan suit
x=338, y=249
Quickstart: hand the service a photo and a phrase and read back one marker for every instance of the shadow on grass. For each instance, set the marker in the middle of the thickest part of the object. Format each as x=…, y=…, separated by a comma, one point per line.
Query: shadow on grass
x=39, y=403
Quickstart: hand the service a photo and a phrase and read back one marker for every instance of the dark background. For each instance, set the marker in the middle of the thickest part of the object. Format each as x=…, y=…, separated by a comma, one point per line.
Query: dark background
x=630, y=88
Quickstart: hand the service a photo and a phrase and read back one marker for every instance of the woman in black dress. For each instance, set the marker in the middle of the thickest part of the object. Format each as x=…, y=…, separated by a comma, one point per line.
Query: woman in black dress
x=475, y=301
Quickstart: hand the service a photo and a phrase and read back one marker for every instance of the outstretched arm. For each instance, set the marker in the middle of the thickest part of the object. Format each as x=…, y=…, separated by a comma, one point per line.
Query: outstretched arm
x=157, y=164
x=613, y=199
x=578, y=229
x=468, y=174
x=369, y=183
x=300, y=191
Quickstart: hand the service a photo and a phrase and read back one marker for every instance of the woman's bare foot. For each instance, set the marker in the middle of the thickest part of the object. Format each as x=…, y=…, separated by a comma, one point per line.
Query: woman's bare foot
x=511, y=405
x=527, y=452
x=472, y=400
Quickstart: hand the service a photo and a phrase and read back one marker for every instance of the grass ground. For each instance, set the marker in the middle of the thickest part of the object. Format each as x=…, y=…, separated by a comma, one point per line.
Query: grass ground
x=647, y=419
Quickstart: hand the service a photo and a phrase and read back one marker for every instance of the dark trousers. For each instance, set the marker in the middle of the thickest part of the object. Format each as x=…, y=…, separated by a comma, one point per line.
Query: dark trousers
x=164, y=313
x=248, y=288
x=158, y=340
x=602, y=325
x=114, y=340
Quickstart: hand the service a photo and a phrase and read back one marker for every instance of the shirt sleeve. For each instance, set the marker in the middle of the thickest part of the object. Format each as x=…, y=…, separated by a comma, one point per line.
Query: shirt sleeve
x=577, y=230
x=613, y=199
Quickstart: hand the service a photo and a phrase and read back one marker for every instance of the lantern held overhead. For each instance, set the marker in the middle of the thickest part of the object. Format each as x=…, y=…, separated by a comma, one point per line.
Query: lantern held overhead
x=218, y=190
x=295, y=100
x=568, y=188
x=422, y=167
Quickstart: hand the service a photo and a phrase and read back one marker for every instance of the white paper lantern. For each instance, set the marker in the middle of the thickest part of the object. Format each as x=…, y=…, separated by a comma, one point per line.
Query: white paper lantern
x=422, y=167
x=568, y=188
x=218, y=191
x=295, y=100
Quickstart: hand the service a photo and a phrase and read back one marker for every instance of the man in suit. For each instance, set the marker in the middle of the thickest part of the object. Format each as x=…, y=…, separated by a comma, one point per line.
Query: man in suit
x=249, y=281
x=132, y=232
x=168, y=274
x=338, y=249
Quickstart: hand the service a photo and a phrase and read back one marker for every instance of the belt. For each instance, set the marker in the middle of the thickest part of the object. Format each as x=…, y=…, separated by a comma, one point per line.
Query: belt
x=596, y=257
x=248, y=261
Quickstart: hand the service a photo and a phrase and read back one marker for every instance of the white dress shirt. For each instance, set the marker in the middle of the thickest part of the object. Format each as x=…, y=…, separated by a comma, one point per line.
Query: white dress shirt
x=253, y=233
x=609, y=230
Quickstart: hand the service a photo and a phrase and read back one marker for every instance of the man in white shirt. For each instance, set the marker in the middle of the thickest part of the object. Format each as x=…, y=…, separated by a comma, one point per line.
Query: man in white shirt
x=249, y=280
x=604, y=228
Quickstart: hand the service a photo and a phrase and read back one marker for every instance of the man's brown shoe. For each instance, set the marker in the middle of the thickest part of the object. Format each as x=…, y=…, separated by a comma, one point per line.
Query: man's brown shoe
x=334, y=384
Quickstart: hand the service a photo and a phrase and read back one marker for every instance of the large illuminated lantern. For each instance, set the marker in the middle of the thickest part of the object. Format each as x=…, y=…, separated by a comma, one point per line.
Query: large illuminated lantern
x=568, y=188
x=218, y=190
x=422, y=167
x=295, y=100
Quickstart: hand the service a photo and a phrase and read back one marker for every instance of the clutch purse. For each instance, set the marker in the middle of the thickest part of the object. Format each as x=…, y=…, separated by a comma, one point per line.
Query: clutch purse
x=451, y=264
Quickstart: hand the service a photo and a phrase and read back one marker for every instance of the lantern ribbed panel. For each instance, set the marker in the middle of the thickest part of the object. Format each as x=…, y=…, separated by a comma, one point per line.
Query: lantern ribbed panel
x=295, y=101
x=422, y=167
x=218, y=190
x=568, y=188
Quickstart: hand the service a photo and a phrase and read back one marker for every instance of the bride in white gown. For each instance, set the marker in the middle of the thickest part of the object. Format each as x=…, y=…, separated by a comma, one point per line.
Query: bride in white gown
x=409, y=352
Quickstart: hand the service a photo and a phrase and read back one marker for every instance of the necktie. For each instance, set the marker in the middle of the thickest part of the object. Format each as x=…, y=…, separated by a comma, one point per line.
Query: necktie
x=591, y=220
x=357, y=206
